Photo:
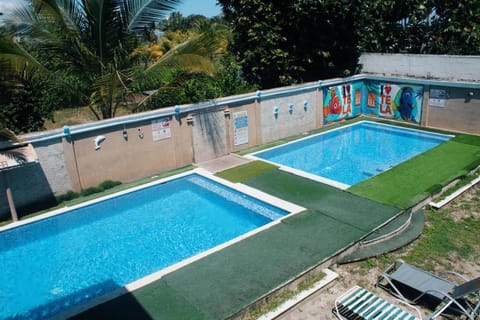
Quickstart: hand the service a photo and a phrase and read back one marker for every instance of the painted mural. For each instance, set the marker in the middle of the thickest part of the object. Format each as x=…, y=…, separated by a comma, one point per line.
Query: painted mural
x=394, y=101
x=342, y=102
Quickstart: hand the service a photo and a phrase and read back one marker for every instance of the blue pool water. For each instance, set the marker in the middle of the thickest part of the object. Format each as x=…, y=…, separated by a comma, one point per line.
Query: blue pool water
x=353, y=153
x=56, y=263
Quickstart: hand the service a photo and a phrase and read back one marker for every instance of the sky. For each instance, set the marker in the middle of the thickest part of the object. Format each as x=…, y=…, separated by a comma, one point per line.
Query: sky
x=207, y=8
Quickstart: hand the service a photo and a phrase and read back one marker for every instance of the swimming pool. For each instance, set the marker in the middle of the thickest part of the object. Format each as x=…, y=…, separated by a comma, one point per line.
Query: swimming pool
x=60, y=262
x=348, y=155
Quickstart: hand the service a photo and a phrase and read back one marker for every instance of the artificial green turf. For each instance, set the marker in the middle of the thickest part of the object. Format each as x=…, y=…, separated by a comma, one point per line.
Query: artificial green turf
x=246, y=171
x=340, y=205
x=225, y=282
x=155, y=301
x=414, y=180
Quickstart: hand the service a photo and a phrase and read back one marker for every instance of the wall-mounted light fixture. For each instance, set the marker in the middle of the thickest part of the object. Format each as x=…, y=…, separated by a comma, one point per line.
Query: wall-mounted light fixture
x=189, y=119
x=275, y=111
x=305, y=105
x=226, y=112
x=177, y=112
x=290, y=108
x=125, y=134
x=66, y=133
x=141, y=135
x=98, y=140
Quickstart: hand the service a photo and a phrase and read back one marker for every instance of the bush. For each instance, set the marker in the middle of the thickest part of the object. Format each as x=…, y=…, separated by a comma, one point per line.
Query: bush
x=105, y=185
x=90, y=191
x=70, y=195
x=108, y=184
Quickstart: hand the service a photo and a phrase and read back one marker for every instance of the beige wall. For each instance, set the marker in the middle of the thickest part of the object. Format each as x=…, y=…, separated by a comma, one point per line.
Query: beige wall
x=288, y=123
x=126, y=160
x=461, y=111
x=209, y=135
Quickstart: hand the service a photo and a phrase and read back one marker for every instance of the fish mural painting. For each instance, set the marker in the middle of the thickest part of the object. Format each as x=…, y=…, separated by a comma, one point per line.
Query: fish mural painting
x=406, y=106
x=341, y=102
x=394, y=101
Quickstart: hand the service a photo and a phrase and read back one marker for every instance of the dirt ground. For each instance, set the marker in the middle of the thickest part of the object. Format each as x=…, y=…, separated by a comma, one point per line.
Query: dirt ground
x=320, y=304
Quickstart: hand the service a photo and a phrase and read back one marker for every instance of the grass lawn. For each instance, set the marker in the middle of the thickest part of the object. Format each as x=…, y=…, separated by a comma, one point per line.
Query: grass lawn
x=450, y=237
x=414, y=180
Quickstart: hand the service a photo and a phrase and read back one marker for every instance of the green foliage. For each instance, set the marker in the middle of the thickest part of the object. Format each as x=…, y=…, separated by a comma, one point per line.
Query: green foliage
x=89, y=191
x=87, y=47
x=70, y=195
x=419, y=26
x=105, y=185
x=187, y=88
x=108, y=184
x=444, y=236
x=279, y=43
x=20, y=111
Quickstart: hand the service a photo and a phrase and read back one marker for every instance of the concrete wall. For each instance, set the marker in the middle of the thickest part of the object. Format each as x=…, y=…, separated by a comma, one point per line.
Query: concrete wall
x=52, y=161
x=209, y=135
x=123, y=159
x=460, y=111
x=449, y=67
x=286, y=123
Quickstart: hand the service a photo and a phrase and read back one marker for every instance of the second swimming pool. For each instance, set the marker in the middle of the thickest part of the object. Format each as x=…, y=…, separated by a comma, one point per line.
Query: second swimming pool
x=58, y=263
x=348, y=155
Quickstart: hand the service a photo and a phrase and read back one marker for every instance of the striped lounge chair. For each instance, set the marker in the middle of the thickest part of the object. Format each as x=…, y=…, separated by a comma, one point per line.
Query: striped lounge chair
x=358, y=303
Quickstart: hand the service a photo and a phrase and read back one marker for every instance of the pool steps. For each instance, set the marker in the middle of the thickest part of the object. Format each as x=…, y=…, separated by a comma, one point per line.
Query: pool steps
x=398, y=233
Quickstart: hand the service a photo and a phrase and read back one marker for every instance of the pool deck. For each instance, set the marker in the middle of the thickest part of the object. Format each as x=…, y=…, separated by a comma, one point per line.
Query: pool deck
x=223, y=163
x=223, y=283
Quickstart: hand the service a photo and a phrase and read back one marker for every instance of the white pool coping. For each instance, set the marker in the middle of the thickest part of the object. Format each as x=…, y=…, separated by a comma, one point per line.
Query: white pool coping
x=254, y=193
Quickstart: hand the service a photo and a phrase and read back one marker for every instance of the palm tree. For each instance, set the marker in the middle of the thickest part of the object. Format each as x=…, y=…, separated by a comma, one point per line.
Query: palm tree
x=96, y=38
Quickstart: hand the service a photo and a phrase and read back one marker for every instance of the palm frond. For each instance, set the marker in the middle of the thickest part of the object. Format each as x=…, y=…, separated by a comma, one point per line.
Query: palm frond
x=189, y=62
x=198, y=49
x=110, y=90
x=15, y=58
x=8, y=135
x=141, y=13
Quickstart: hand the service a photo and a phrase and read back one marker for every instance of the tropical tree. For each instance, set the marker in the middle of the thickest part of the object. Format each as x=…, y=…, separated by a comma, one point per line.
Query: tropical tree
x=419, y=26
x=283, y=42
x=95, y=39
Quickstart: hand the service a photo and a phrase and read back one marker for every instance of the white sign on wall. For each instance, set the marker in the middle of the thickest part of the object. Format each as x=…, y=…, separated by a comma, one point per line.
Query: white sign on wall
x=161, y=129
x=437, y=98
x=240, y=127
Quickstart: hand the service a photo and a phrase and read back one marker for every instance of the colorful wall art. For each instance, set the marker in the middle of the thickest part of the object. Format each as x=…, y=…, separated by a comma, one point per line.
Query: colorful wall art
x=342, y=102
x=394, y=101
